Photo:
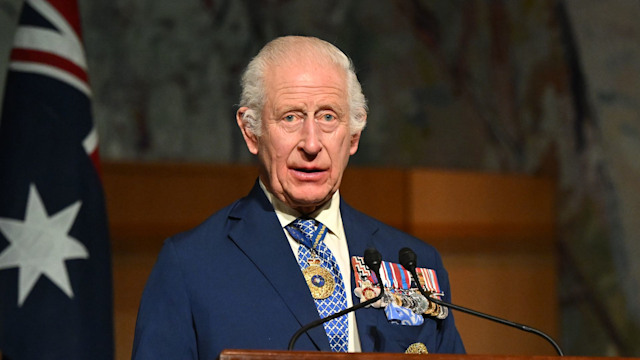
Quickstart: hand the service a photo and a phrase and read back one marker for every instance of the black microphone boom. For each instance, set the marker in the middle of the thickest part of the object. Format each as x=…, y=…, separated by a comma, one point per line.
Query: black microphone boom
x=372, y=259
x=408, y=257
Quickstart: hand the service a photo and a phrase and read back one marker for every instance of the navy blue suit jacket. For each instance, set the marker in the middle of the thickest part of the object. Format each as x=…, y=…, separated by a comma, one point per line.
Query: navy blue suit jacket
x=234, y=283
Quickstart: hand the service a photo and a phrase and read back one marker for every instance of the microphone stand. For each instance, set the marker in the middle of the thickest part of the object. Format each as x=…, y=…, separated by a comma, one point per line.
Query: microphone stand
x=408, y=260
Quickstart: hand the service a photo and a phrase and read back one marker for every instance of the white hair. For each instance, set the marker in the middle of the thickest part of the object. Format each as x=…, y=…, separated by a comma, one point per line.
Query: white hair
x=278, y=51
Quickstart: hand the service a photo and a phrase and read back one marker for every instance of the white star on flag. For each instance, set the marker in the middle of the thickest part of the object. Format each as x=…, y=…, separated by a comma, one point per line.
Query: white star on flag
x=40, y=245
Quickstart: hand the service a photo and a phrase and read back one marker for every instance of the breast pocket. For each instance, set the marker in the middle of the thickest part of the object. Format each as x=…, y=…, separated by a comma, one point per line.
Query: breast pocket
x=395, y=338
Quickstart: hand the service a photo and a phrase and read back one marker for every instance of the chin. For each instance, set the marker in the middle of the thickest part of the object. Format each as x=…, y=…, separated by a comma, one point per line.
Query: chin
x=308, y=202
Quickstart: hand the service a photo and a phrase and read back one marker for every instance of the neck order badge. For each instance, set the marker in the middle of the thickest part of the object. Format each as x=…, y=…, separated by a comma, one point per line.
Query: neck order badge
x=319, y=279
x=323, y=277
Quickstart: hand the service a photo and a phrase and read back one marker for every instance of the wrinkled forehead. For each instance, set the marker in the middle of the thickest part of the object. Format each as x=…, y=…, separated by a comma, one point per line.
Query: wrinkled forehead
x=306, y=83
x=305, y=71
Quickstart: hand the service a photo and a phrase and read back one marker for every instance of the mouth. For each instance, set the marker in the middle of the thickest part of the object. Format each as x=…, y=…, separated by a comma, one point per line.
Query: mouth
x=308, y=171
x=308, y=174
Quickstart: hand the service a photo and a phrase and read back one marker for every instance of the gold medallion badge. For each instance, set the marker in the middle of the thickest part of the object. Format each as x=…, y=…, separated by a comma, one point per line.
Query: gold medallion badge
x=417, y=348
x=319, y=280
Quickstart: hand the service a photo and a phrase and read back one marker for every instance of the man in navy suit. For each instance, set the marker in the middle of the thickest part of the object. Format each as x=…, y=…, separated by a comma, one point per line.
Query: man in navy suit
x=256, y=271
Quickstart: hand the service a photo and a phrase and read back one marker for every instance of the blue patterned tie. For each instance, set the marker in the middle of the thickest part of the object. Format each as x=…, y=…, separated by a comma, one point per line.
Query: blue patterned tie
x=310, y=234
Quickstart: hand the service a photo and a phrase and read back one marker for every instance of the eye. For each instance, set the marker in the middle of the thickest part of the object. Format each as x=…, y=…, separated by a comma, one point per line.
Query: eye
x=290, y=122
x=328, y=121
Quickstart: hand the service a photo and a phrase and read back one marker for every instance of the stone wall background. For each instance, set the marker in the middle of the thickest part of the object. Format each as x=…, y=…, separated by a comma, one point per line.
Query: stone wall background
x=537, y=87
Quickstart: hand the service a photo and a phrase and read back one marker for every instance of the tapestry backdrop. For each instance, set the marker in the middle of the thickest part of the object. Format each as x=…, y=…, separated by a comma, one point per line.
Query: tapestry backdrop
x=536, y=87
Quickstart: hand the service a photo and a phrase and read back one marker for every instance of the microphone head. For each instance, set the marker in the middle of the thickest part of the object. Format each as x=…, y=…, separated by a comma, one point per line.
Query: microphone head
x=408, y=259
x=373, y=259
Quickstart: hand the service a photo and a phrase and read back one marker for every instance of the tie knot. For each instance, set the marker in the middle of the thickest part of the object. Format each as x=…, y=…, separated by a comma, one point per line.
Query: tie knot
x=306, y=226
x=308, y=232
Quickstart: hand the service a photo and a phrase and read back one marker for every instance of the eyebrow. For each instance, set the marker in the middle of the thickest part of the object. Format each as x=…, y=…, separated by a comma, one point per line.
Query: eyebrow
x=302, y=109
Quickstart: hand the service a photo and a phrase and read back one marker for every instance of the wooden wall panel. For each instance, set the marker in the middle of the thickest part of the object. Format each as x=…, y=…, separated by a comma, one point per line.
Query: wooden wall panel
x=519, y=286
x=455, y=209
x=380, y=193
x=148, y=202
x=495, y=233
x=496, y=236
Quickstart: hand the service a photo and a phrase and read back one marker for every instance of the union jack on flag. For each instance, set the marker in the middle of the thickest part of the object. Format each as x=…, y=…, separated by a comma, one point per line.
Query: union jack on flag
x=55, y=265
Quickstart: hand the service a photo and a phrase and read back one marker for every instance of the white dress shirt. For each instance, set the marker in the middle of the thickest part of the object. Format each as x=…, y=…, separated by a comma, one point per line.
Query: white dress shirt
x=329, y=215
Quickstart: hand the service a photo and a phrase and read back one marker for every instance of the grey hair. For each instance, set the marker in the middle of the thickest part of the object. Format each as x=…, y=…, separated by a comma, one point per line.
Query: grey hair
x=278, y=51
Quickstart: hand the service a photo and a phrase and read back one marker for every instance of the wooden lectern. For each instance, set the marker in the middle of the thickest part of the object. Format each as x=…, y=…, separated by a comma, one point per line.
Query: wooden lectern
x=318, y=355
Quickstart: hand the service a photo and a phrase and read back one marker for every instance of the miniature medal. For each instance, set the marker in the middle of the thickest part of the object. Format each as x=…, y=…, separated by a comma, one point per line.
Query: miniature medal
x=368, y=292
x=320, y=281
x=444, y=312
x=432, y=310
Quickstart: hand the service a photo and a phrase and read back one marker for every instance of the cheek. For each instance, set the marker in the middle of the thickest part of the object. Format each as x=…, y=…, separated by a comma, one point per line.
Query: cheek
x=277, y=153
x=342, y=150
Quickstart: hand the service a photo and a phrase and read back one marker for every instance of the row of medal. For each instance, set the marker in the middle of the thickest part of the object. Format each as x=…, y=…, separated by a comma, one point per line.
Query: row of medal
x=400, y=290
x=410, y=299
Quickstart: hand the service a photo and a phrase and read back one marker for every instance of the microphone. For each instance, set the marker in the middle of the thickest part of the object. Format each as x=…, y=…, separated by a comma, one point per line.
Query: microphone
x=372, y=259
x=408, y=257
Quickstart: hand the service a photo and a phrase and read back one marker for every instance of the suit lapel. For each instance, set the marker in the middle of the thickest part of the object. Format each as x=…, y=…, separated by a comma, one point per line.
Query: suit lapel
x=257, y=232
x=360, y=236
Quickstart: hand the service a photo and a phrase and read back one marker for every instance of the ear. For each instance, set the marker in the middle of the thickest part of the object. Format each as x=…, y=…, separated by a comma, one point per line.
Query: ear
x=249, y=137
x=355, y=139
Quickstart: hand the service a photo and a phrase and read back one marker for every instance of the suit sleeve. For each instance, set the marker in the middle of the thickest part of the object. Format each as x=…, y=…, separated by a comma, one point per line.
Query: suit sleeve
x=449, y=341
x=164, y=328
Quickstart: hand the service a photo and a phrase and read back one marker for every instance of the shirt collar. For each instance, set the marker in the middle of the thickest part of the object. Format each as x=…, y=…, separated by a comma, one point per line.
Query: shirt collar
x=328, y=214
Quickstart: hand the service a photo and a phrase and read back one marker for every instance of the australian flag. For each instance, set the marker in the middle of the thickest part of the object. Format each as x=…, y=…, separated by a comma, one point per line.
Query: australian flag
x=55, y=265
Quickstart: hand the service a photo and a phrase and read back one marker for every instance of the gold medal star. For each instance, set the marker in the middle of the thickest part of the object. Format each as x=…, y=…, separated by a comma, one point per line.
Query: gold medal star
x=40, y=245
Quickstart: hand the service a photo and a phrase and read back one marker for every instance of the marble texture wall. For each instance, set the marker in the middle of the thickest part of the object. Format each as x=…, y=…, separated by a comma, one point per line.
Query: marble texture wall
x=607, y=38
x=538, y=87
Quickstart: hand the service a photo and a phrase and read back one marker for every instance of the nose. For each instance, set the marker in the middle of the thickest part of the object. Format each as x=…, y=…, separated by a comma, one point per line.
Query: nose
x=310, y=137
